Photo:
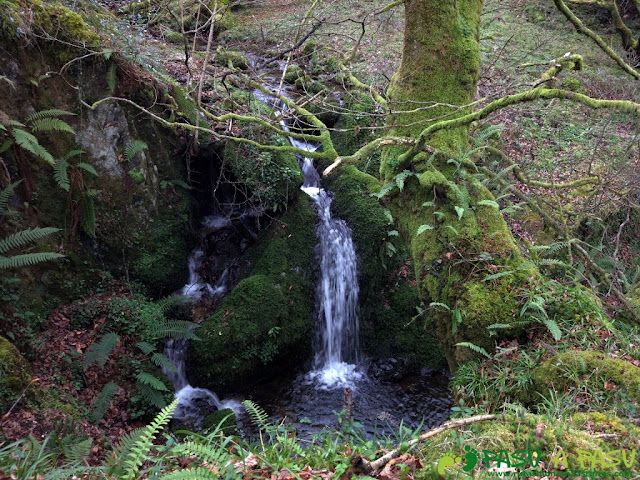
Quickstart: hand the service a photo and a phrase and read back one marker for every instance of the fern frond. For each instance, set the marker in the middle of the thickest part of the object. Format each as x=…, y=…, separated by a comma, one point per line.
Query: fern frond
x=146, y=347
x=51, y=125
x=257, y=414
x=30, y=143
x=484, y=133
x=102, y=402
x=87, y=168
x=111, y=77
x=53, y=112
x=5, y=195
x=489, y=203
x=145, y=378
x=133, y=149
x=473, y=347
x=75, y=451
x=60, y=174
x=197, y=473
x=27, y=259
x=163, y=362
x=174, y=329
x=125, y=445
x=424, y=228
x=151, y=396
x=553, y=327
x=140, y=448
x=24, y=237
x=7, y=144
x=402, y=177
x=99, y=351
x=72, y=153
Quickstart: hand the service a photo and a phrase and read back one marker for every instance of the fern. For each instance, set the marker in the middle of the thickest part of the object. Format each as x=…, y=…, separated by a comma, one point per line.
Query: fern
x=87, y=168
x=473, y=347
x=257, y=414
x=163, y=362
x=489, y=203
x=51, y=125
x=402, y=177
x=133, y=149
x=60, y=174
x=484, y=133
x=102, y=402
x=424, y=228
x=145, y=347
x=151, y=395
x=54, y=112
x=24, y=237
x=174, y=329
x=27, y=259
x=30, y=143
x=154, y=382
x=75, y=451
x=124, y=447
x=6, y=195
x=139, y=450
x=99, y=351
x=192, y=474
x=111, y=77
x=553, y=327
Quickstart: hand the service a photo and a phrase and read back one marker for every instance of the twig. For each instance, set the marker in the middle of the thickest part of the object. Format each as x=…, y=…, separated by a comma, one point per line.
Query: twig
x=369, y=467
x=6, y=415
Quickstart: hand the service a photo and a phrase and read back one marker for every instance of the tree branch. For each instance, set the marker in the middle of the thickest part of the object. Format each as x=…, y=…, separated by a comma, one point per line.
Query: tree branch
x=371, y=467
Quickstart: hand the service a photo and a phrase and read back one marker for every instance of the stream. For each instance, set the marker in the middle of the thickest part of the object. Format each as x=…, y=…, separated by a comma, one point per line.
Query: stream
x=381, y=394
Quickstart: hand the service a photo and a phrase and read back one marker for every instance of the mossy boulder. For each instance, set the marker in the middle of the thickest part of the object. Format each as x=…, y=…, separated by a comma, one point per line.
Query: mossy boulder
x=232, y=59
x=292, y=73
x=15, y=374
x=592, y=371
x=265, y=322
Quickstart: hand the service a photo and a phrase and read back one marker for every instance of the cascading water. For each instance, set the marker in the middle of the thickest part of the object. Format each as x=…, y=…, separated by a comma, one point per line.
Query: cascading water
x=337, y=352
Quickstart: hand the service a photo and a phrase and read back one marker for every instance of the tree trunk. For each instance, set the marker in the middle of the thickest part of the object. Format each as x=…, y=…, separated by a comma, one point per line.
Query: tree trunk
x=463, y=239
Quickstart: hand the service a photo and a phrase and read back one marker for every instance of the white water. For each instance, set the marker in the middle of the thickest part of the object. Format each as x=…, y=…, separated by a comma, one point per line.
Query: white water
x=335, y=363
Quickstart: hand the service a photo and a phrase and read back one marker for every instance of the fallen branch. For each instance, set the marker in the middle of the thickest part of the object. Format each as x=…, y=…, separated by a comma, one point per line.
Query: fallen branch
x=370, y=467
x=6, y=415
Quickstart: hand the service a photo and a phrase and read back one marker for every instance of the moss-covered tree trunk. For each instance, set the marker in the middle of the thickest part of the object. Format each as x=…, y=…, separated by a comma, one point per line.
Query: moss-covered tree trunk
x=463, y=236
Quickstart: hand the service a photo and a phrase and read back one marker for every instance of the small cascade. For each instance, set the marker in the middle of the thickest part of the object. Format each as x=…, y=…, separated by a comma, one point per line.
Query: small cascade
x=337, y=352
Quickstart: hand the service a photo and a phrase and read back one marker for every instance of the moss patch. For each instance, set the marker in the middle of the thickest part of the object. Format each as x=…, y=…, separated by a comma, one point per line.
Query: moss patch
x=266, y=319
x=14, y=374
x=592, y=371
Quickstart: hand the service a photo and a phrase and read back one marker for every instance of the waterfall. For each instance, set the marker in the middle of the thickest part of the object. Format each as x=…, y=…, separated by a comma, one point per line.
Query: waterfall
x=337, y=352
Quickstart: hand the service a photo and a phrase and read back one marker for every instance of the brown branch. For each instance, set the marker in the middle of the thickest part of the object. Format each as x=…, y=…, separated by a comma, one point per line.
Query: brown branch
x=6, y=415
x=369, y=467
x=297, y=45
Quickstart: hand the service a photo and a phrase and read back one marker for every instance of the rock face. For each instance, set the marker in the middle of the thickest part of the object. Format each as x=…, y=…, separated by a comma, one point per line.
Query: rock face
x=14, y=374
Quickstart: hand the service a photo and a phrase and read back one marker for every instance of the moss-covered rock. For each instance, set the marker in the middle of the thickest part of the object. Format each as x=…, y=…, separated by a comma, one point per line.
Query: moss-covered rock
x=265, y=322
x=587, y=370
x=292, y=73
x=388, y=293
x=15, y=374
x=232, y=59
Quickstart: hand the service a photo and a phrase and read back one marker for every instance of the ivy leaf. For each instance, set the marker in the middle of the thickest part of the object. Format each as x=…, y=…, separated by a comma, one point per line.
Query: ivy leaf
x=459, y=211
x=424, y=228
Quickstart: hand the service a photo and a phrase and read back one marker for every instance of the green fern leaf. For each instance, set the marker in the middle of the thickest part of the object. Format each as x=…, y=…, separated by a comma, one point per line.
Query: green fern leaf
x=424, y=228
x=27, y=259
x=483, y=134
x=174, y=329
x=140, y=449
x=146, y=347
x=489, y=203
x=553, y=327
x=438, y=304
x=257, y=414
x=75, y=451
x=401, y=178
x=111, y=77
x=30, y=143
x=54, y=112
x=497, y=275
x=99, y=351
x=123, y=449
x=5, y=195
x=25, y=237
x=51, y=125
x=72, y=153
x=7, y=144
x=163, y=362
x=60, y=174
x=145, y=378
x=102, y=402
x=133, y=149
x=151, y=395
x=87, y=168
x=192, y=474
x=473, y=347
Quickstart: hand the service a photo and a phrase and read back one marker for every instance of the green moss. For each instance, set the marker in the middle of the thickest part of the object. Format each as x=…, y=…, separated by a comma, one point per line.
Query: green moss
x=266, y=319
x=292, y=73
x=14, y=374
x=62, y=23
x=232, y=59
x=586, y=370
